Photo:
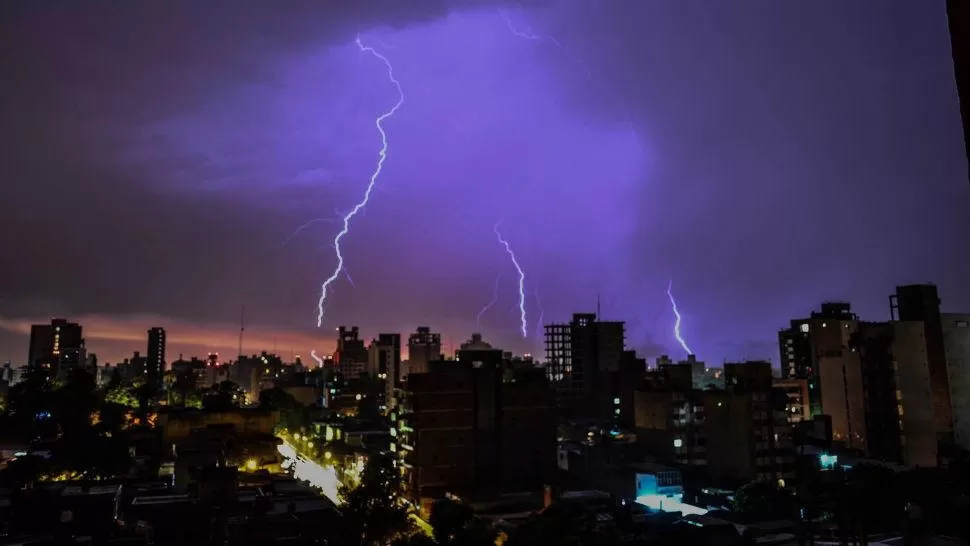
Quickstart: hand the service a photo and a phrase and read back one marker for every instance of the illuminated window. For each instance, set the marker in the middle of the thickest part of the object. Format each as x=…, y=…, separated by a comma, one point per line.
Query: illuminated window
x=678, y=442
x=616, y=400
x=804, y=328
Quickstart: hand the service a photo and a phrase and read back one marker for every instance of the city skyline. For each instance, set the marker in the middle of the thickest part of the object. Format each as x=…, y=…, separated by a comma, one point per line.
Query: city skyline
x=763, y=175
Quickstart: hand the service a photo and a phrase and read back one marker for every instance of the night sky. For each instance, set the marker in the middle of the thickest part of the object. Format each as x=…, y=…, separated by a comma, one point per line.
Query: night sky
x=765, y=156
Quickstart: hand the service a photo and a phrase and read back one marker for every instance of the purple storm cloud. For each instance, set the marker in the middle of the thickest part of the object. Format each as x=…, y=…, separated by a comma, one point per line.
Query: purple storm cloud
x=767, y=155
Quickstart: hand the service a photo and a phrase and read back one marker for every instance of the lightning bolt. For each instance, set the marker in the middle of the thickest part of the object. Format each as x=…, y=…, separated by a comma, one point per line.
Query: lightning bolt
x=309, y=223
x=515, y=262
x=489, y=305
x=527, y=34
x=313, y=354
x=673, y=305
x=379, y=122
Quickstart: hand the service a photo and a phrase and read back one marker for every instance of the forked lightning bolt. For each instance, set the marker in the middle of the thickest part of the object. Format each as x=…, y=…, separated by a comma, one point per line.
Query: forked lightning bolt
x=515, y=262
x=382, y=156
x=673, y=305
x=489, y=305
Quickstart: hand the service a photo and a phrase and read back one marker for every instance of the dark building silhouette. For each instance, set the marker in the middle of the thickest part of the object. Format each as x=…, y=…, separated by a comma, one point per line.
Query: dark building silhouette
x=155, y=357
x=384, y=362
x=56, y=348
x=956, y=340
x=479, y=353
x=351, y=355
x=738, y=434
x=577, y=354
x=921, y=302
x=958, y=13
x=424, y=347
x=816, y=349
x=899, y=416
x=463, y=429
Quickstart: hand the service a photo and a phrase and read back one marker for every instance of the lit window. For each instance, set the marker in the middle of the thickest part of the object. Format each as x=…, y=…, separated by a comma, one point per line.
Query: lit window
x=616, y=400
x=678, y=442
x=804, y=328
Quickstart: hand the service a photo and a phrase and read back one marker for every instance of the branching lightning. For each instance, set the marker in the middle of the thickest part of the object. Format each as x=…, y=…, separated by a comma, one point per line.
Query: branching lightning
x=673, y=305
x=527, y=34
x=309, y=223
x=489, y=305
x=515, y=262
x=379, y=122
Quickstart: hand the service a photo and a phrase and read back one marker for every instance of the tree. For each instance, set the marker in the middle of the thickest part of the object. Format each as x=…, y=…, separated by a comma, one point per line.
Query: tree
x=120, y=395
x=763, y=500
x=293, y=415
x=448, y=519
x=454, y=523
x=371, y=510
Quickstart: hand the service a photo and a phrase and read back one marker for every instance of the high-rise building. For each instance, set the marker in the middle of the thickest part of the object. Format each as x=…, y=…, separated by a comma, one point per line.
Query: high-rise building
x=958, y=12
x=741, y=433
x=56, y=348
x=384, y=362
x=462, y=429
x=899, y=417
x=817, y=349
x=351, y=356
x=577, y=354
x=956, y=343
x=424, y=347
x=921, y=302
x=155, y=357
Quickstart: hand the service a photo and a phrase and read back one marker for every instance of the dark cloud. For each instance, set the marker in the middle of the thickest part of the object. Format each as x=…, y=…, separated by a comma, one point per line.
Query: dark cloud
x=765, y=155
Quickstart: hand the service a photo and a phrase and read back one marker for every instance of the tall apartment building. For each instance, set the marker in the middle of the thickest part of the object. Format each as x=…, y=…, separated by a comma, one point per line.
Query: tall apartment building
x=424, y=347
x=462, y=429
x=899, y=407
x=155, y=357
x=956, y=344
x=817, y=350
x=56, y=348
x=576, y=355
x=384, y=362
x=351, y=357
x=744, y=428
x=921, y=302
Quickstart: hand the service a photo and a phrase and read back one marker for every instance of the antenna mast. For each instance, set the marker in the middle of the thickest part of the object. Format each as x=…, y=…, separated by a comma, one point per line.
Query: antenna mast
x=242, y=328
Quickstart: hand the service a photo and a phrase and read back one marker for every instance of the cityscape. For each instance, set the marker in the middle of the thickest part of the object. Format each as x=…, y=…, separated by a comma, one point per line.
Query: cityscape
x=462, y=274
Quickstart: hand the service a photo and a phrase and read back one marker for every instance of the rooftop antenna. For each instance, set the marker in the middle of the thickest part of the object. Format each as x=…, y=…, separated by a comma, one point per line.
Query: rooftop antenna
x=242, y=328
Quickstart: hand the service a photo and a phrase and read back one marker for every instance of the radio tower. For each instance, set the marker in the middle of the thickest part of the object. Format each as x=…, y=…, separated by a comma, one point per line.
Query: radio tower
x=242, y=328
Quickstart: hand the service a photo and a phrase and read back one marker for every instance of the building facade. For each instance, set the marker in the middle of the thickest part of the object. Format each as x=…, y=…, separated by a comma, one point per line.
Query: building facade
x=461, y=429
x=956, y=341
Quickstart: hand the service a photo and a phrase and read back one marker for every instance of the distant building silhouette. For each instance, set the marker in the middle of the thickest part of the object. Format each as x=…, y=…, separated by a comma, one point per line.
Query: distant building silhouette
x=56, y=348
x=576, y=355
x=351, y=356
x=384, y=362
x=424, y=347
x=155, y=357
